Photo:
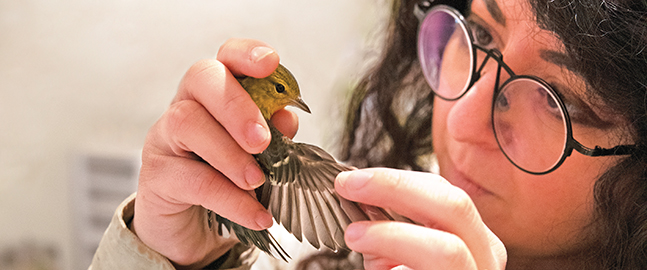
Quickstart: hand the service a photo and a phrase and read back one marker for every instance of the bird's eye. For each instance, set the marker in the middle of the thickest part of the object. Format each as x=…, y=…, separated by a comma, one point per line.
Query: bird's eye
x=279, y=88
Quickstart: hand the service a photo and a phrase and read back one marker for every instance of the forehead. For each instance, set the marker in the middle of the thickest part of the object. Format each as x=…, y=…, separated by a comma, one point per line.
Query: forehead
x=517, y=25
x=524, y=39
x=505, y=11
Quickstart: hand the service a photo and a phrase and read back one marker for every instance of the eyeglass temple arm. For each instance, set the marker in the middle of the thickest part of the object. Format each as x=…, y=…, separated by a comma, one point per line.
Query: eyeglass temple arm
x=598, y=151
x=420, y=9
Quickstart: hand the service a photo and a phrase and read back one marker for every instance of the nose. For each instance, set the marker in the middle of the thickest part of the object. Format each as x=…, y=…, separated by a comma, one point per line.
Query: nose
x=469, y=119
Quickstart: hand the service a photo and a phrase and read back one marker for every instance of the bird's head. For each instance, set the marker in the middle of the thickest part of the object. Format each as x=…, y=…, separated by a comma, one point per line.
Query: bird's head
x=274, y=92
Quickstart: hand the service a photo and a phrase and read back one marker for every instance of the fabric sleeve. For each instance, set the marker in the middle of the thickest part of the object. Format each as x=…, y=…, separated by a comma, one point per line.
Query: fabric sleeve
x=120, y=248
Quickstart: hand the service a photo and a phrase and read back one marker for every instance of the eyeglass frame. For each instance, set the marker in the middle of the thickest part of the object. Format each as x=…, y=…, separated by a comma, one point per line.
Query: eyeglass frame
x=422, y=9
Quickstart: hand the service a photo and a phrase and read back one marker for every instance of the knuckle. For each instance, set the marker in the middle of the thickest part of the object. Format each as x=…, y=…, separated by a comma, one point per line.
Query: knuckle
x=205, y=184
x=456, y=254
x=151, y=164
x=203, y=68
x=402, y=183
x=235, y=102
x=229, y=43
x=460, y=203
x=200, y=74
x=179, y=116
x=180, y=120
x=209, y=81
x=396, y=181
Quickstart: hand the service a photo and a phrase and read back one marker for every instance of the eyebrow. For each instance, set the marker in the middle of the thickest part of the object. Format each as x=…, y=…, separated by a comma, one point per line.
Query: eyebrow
x=560, y=59
x=495, y=11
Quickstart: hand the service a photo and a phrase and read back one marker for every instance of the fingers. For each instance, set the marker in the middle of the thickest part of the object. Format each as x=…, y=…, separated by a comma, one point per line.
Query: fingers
x=210, y=83
x=188, y=127
x=246, y=57
x=168, y=220
x=181, y=182
x=226, y=117
x=198, y=155
x=416, y=246
x=379, y=187
x=213, y=119
x=425, y=198
x=186, y=130
x=286, y=122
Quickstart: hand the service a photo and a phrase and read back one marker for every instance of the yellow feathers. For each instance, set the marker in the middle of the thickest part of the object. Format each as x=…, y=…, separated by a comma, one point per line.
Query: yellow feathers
x=274, y=92
x=299, y=188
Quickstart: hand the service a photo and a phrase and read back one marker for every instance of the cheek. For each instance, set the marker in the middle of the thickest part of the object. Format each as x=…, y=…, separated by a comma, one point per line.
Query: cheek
x=549, y=214
x=439, y=124
x=533, y=215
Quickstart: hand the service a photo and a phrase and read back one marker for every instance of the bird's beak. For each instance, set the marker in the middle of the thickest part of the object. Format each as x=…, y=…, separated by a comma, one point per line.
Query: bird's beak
x=299, y=103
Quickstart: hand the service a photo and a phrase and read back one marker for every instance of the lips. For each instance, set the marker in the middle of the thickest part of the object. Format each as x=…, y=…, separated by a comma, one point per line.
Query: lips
x=460, y=180
x=457, y=178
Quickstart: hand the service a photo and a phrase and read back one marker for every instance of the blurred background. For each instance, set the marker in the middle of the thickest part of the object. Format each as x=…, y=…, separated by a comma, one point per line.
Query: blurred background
x=82, y=81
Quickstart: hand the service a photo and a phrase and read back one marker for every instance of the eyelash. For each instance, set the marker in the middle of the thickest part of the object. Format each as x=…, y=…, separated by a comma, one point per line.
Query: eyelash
x=480, y=34
x=579, y=112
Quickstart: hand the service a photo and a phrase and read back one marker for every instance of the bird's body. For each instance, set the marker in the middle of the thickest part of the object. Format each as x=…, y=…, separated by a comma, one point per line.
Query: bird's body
x=299, y=188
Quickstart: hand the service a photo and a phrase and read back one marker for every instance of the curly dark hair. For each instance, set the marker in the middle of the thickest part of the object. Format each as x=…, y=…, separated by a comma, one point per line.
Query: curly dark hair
x=608, y=40
x=389, y=116
x=388, y=121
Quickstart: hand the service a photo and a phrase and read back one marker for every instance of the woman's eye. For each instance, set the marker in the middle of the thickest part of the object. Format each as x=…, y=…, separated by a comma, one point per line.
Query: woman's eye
x=579, y=112
x=481, y=35
x=552, y=103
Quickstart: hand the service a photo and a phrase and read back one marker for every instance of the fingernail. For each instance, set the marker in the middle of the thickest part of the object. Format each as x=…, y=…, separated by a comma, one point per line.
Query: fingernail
x=264, y=219
x=260, y=52
x=355, y=231
x=253, y=175
x=256, y=135
x=354, y=179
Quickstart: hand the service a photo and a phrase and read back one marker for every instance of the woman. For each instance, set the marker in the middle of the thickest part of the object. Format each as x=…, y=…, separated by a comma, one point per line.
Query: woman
x=516, y=86
x=602, y=62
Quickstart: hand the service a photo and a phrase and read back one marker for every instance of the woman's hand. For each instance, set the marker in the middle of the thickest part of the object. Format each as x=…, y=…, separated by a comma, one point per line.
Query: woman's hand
x=198, y=155
x=450, y=234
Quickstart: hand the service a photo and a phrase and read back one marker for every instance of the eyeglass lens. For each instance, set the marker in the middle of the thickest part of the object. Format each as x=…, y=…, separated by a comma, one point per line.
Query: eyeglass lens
x=529, y=121
x=529, y=125
x=444, y=37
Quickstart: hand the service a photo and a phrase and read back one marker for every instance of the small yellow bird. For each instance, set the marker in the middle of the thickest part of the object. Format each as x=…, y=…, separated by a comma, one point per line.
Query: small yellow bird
x=299, y=188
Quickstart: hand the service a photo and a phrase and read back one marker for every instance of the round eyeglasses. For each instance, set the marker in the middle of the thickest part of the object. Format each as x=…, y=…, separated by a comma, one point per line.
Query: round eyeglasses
x=531, y=124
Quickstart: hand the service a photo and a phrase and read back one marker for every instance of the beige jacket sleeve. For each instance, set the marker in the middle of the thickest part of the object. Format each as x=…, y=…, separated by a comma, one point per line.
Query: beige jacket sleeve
x=121, y=249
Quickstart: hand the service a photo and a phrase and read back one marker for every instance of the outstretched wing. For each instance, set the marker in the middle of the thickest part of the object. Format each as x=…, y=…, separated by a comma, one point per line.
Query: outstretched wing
x=262, y=239
x=301, y=194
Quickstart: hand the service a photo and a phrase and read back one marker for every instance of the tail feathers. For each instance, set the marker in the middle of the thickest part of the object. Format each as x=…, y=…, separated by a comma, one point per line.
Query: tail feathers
x=261, y=239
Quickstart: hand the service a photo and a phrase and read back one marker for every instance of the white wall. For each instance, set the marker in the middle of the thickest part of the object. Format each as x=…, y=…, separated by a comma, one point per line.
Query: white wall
x=83, y=74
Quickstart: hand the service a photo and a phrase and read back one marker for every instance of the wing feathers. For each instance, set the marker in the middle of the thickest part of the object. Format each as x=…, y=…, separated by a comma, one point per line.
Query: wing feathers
x=307, y=220
x=304, y=200
x=303, y=197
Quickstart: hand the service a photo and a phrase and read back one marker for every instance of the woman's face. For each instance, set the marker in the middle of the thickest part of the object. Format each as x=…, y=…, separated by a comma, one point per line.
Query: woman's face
x=535, y=216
